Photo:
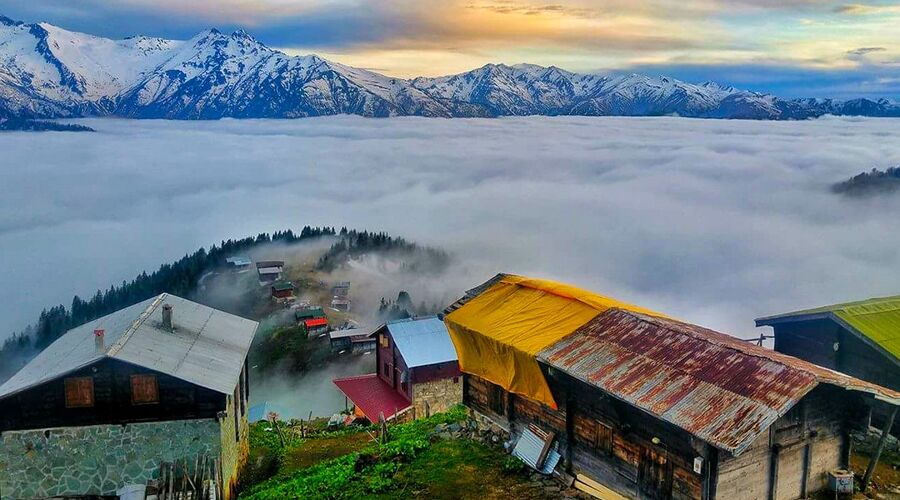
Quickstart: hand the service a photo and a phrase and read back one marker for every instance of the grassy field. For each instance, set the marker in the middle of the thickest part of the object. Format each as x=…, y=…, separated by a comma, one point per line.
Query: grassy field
x=351, y=464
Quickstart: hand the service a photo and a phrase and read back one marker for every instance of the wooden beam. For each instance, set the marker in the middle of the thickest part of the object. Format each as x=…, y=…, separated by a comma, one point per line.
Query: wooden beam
x=571, y=406
x=881, y=442
x=773, y=471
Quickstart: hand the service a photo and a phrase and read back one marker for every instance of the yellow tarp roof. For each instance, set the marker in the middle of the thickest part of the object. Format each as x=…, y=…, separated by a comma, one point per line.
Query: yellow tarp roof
x=498, y=333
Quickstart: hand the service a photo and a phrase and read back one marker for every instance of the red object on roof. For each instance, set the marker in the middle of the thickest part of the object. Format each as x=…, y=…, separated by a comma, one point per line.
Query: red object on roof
x=310, y=323
x=373, y=396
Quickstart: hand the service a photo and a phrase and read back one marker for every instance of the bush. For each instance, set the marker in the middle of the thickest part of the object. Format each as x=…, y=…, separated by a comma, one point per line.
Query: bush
x=512, y=465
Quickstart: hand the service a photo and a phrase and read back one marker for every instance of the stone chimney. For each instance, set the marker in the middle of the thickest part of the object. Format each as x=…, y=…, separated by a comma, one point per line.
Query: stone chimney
x=100, y=339
x=167, y=317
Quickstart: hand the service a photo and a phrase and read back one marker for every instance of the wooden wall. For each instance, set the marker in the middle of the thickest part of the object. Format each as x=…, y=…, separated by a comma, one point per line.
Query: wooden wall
x=431, y=373
x=814, y=341
x=45, y=405
x=611, y=441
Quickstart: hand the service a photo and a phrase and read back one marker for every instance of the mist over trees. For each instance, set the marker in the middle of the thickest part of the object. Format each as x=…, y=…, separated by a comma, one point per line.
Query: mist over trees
x=179, y=278
x=352, y=244
x=868, y=183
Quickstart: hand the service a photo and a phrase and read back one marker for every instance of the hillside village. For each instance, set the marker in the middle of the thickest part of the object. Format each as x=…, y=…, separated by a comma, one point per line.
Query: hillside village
x=519, y=387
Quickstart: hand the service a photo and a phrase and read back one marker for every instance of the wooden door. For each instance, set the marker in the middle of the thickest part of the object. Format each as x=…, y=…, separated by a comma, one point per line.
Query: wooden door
x=655, y=475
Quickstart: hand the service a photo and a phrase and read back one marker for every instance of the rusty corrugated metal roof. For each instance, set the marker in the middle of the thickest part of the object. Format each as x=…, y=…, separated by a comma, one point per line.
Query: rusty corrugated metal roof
x=717, y=387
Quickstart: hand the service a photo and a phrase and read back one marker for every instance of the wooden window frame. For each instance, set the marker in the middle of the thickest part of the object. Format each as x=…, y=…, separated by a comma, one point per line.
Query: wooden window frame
x=69, y=383
x=148, y=376
x=384, y=340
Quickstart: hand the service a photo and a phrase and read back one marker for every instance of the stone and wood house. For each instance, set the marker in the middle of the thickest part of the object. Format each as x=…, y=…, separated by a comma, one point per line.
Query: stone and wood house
x=417, y=372
x=644, y=406
x=105, y=404
x=857, y=338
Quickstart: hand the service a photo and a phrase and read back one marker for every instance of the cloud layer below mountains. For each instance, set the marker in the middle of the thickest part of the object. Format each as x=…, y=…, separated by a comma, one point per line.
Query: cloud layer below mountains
x=711, y=221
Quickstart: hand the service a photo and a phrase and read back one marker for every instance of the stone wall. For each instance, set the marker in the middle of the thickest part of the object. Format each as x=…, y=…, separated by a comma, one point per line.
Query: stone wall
x=98, y=459
x=441, y=395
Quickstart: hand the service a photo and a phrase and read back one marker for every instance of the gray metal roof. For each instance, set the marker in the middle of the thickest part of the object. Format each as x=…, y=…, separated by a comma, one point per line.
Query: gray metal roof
x=423, y=341
x=349, y=332
x=206, y=348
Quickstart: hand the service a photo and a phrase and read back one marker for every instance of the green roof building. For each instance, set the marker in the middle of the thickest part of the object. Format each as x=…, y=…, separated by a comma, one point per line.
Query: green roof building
x=860, y=338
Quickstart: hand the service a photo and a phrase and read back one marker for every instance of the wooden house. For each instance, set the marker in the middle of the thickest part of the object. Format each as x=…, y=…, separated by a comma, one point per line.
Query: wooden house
x=858, y=338
x=238, y=263
x=106, y=403
x=355, y=340
x=282, y=290
x=269, y=271
x=313, y=318
x=644, y=406
x=417, y=372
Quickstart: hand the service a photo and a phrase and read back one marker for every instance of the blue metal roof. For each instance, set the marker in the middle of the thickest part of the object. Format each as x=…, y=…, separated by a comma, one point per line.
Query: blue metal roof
x=238, y=261
x=261, y=412
x=423, y=341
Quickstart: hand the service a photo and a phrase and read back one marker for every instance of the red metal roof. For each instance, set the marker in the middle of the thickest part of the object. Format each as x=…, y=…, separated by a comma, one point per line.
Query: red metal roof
x=310, y=323
x=717, y=387
x=373, y=396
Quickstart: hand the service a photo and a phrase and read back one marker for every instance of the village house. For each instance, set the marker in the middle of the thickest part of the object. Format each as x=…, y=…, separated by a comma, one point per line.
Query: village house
x=313, y=318
x=269, y=271
x=857, y=338
x=238, y=263
x=340, y=296
x=417, y=372
x=355, y=340
x=106, y=403
x=639, y=405
x=282, y=290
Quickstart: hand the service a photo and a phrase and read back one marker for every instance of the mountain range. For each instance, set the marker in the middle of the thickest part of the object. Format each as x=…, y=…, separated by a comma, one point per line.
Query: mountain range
x=49, y=72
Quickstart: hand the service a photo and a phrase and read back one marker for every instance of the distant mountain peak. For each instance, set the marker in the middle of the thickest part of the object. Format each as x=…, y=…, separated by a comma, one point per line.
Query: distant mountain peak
x=51, y=72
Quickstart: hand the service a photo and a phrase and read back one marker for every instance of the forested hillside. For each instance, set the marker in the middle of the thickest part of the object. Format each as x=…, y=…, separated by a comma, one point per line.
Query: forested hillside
x=179, y=278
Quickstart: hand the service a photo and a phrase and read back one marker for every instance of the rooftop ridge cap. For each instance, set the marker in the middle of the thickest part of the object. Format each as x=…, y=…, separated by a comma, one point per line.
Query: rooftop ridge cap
x=119, y=344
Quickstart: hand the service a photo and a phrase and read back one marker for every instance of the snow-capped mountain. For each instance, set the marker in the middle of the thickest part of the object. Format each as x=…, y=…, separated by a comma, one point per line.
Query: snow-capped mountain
x=46, y=71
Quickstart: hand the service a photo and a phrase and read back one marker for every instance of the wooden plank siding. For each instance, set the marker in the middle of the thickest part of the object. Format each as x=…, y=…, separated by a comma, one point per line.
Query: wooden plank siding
x=614, y=461
x=613, y=443
x=45, y=405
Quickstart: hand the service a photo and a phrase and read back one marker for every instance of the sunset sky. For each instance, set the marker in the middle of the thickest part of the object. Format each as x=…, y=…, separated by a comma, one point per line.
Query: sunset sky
x=791, y=47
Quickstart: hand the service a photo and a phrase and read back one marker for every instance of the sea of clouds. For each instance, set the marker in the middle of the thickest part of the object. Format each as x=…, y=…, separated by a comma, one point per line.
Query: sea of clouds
x=711, y=221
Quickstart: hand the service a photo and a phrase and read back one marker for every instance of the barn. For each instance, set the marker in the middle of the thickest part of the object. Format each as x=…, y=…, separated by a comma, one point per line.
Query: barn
x=100, y=408
x=640, y=405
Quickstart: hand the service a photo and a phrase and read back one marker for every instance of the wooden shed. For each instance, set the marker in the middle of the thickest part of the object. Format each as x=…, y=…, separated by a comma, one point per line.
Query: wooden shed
x=645, y=406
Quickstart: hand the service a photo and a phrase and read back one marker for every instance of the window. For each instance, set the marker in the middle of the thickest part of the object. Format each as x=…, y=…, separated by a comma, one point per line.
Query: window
x=604, y=440
x=384, y=340
x=144, y=389
x=387, y=369
x=79, y=392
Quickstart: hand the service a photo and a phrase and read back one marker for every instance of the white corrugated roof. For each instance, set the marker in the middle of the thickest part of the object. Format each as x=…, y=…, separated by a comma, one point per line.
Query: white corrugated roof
x=207, y=348
x=422, y=342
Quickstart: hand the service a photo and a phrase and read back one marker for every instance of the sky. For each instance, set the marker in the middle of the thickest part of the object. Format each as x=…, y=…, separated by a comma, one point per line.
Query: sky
x=710, y=221
x=795, y=48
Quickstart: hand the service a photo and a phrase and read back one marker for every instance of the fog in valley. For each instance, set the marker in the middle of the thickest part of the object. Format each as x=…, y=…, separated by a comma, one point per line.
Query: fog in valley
x=711, y=221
